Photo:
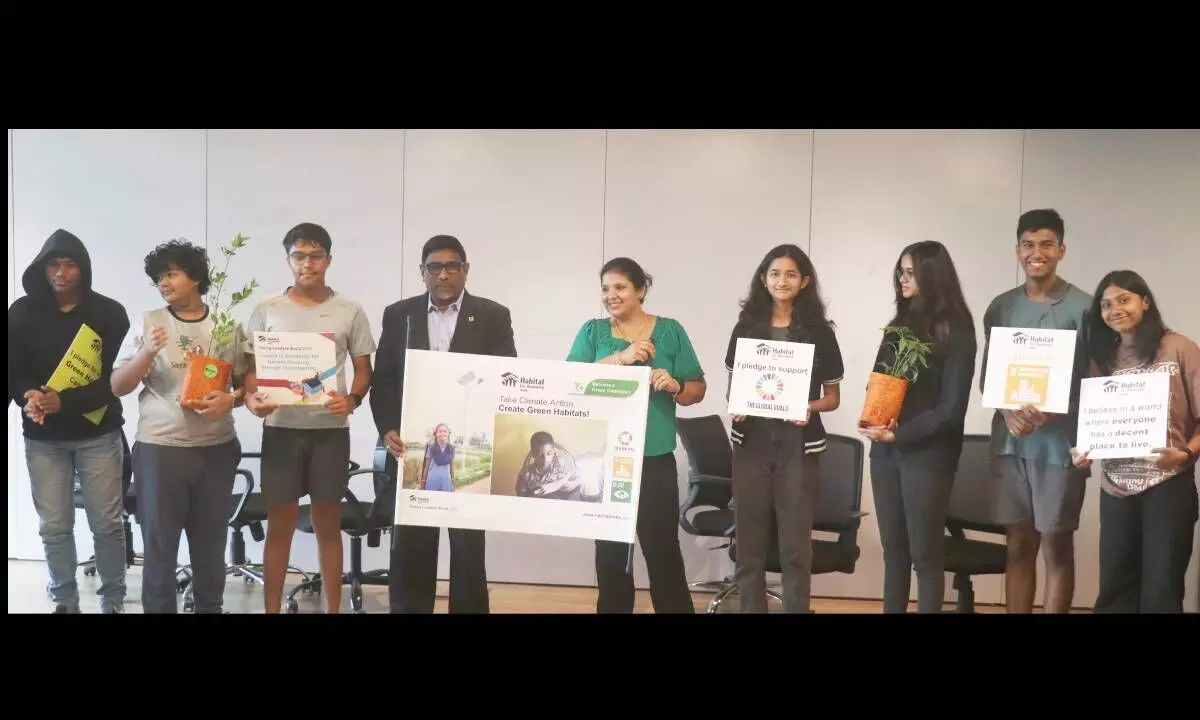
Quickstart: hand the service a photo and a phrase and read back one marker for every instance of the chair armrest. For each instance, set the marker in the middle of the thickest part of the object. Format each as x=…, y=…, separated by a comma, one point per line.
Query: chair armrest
x=689, y=504
x=846, y=523
x=709, y=480
x=252, y=455
x=360, y=518
x=249, y=478
x=959, y=525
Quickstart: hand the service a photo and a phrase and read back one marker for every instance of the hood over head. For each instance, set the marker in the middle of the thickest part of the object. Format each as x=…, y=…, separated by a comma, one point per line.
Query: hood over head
x=60, y=244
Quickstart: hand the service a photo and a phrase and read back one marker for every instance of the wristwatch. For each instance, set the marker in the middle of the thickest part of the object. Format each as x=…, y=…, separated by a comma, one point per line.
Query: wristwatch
x=1191, y=455
x=357, y=399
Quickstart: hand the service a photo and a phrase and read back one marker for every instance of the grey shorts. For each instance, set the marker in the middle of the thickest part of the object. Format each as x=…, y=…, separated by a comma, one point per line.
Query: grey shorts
x=296, y=463
x=1049, y=495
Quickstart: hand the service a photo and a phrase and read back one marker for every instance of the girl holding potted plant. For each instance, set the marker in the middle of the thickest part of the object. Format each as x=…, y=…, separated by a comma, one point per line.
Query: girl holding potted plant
x=775, y=469
x=1148, y=507
x=185, y=452
x=928, y=353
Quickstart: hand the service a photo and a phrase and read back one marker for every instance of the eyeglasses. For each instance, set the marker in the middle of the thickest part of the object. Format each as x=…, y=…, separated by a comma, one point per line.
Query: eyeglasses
x=904, y=274
x=453, y=267
x=301, y=258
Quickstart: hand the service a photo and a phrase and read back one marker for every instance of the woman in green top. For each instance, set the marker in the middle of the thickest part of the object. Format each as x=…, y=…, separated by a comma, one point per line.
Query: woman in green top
x=631, y=336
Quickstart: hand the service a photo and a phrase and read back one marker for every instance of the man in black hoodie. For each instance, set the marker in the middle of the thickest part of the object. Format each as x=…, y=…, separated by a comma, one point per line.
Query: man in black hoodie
x=62, y=340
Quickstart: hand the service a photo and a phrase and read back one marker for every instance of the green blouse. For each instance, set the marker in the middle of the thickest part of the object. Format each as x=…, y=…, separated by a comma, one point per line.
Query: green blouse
x=673, y=353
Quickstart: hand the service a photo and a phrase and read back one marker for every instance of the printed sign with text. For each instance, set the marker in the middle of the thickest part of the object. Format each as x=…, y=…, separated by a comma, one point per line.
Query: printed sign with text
x=1123, y=416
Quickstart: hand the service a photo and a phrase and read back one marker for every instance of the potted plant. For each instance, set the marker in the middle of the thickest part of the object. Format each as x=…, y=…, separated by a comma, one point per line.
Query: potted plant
x=886, y=389
x=209, y=372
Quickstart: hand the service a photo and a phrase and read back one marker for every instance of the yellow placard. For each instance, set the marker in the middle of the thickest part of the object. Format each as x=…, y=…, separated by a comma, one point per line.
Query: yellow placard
x=80, y=366
x=1027, y=384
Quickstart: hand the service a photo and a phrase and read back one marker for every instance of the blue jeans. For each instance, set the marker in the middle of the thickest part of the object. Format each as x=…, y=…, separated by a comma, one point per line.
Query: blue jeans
x=52, y=470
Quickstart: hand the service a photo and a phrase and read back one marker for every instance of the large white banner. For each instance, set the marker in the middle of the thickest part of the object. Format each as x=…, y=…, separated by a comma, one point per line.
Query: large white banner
x=1124, y=416
x=1029, y=367
x=543, y=447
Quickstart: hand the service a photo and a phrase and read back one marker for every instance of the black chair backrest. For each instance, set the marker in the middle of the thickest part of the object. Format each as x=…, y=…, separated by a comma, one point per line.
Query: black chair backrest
x=706, y=442
x=383, y=510
x=128, y=494
x=970, y=499
x=841, y=484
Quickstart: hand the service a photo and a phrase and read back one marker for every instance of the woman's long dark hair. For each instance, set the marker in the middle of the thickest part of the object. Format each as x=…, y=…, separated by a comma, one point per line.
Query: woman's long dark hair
x=939, y=303
x=808, y=310
x=1102, y=345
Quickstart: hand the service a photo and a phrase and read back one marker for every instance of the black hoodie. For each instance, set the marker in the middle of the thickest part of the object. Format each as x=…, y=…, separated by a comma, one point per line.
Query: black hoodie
x=39, y=333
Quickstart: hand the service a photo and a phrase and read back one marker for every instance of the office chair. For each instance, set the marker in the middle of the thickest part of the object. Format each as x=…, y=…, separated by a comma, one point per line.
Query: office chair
x=971, y=509
x=359, y=519
x=839, y=510
x=710, y=487
x=839, y=505
x=246, y=509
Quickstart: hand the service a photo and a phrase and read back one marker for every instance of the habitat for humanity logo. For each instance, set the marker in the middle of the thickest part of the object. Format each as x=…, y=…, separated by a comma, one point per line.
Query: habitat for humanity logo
x=1112, y=386
x=1027, y=340
x=523, y=382
x=763, y=350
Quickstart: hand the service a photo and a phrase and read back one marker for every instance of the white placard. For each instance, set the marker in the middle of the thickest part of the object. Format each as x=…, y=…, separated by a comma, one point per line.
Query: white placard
x=771, y=379
x=543, y=447
x=1123, y=416
x=1030, y=367
x=295, y=368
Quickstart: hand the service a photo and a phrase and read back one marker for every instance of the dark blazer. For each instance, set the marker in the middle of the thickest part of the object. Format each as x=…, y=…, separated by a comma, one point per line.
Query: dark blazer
x=484, y=328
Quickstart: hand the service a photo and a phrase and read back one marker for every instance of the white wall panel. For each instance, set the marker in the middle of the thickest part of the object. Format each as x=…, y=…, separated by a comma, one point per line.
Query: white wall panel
x=528, y=209
x=121, y=193
x=698, y=210
x=351, y=182
x=873, y=194
x=1130, y=200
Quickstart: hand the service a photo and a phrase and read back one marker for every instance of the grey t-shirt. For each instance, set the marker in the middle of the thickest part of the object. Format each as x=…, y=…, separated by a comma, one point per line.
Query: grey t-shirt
x=338, y=315
x=161, y=419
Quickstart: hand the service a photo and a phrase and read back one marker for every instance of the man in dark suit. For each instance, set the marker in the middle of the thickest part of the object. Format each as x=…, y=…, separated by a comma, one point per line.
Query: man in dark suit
x=447, y=319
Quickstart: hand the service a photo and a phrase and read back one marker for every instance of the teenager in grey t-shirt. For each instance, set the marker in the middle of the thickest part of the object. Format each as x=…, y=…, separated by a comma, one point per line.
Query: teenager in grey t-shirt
x=184, y=459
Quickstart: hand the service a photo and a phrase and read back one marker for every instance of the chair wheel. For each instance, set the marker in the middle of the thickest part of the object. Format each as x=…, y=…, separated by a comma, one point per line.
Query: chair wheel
x=90, y=571
x=293, y=607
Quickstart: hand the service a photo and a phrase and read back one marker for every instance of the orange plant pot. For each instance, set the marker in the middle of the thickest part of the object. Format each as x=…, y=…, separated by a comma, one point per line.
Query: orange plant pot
x=885, y=397
x=204, y=374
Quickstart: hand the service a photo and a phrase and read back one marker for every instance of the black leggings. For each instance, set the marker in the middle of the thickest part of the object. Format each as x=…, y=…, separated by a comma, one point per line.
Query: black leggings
x=912, y=497
x=1145, y=547
x=658, y=533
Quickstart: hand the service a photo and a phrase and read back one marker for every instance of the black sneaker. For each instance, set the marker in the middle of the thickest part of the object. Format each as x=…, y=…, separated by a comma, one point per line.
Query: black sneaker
x=113, y=610
x=64, y=610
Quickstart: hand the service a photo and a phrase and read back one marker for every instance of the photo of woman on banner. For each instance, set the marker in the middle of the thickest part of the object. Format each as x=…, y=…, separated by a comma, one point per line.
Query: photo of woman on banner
x=438, y=472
